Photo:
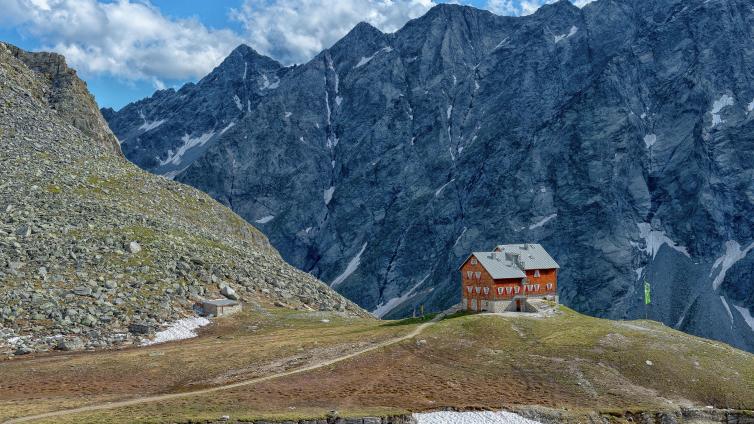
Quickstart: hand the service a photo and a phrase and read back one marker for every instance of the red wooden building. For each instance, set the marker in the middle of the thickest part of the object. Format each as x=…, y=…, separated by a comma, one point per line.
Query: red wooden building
x=503, y=279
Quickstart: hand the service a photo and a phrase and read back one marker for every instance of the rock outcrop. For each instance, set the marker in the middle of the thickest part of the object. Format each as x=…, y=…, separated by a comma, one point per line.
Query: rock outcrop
x=95, y=252
x=618, y=135
x=68, y=95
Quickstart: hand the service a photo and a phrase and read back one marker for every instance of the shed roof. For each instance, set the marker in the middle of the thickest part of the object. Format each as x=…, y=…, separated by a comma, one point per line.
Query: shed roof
x=532, y=255
x=497, y=266
x=221, y=302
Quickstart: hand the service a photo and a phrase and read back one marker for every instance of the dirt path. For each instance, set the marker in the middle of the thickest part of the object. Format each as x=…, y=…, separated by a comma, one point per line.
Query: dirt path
x=169, y=396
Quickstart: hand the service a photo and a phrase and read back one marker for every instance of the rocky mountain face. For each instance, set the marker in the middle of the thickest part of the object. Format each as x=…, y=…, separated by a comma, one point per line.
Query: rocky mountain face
x=95, y=252
x=67, y=95
x=619, y=135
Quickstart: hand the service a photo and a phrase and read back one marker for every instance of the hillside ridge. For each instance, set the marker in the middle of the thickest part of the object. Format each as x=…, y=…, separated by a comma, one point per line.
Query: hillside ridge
x=96, y=253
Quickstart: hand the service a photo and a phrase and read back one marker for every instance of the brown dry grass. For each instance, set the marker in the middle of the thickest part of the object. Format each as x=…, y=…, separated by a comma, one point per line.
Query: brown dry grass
x=490, y=362
x=240, y=348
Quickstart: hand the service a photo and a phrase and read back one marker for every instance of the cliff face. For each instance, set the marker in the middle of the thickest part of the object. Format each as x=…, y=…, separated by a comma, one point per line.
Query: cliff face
x=618, y=135
x=95, y=252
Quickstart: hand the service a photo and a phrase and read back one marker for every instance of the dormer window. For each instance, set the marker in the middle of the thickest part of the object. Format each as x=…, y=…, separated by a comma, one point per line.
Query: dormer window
x=536, y=273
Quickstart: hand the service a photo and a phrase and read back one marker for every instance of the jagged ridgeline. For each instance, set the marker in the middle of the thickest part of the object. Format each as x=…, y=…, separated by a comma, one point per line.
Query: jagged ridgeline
x=90, y=244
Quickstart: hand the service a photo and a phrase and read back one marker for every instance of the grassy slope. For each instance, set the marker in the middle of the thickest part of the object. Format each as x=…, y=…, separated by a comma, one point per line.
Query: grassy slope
x=569, y=361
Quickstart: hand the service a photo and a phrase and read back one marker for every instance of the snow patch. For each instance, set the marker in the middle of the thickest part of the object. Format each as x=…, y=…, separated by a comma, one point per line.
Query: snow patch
x=266, y=84
x=639, y=272
x=727, y=308
x=365, y=60
x=338, y=100
x=449, y=111
x=650, y=140
x=288, y=114
x=733, y=254
x=459, y=237
x=384, y=308
x=750, y=107
x=718, y=106
x=237, y=99
x=503, y=42
x=542, y=222
x=439, y=190
x=353, y=264
x=571, y=33
x=265, y=219
x=245, y=67
x=654, y=239
x=188, y=144
x=182, y=329
x=172, y=174
x=328, y=195
x=148, y=126
x=746, y=315
x=471, y=417
x=227, y=128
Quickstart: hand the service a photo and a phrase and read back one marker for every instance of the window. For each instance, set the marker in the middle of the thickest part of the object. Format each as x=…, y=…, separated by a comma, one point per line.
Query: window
x=477, y=289
x=549, y=286
x=478, y=275
x=517, y=289
x=499, y=290
x=510, y=289
x=536, y=273
x=468, y=289
x=469, y=273
x=473, y=261
x=536, y=287
x=486, y=290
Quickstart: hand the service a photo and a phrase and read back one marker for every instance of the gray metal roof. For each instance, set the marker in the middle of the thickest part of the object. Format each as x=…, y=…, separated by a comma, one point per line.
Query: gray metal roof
x=221, y=302
x=532, y=255
x=497, y=266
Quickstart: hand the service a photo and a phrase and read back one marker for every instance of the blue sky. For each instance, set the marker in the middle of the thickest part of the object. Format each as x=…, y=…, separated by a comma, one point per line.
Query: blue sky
x=126, y=49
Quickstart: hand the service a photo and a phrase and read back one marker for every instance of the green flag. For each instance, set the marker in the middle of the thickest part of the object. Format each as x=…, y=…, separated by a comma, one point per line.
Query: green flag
x=647, y=289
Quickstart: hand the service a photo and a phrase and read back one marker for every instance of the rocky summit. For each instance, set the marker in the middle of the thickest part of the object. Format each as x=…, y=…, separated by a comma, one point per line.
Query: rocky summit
x=618, y=135
x=95, y=252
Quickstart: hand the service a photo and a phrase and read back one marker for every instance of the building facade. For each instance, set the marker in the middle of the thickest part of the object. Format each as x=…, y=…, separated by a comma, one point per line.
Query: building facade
x=503, y=279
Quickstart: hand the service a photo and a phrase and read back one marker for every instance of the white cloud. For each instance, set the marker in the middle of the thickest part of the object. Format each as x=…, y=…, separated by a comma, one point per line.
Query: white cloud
x=125, y=38
x=132, y=40
x=293, y=31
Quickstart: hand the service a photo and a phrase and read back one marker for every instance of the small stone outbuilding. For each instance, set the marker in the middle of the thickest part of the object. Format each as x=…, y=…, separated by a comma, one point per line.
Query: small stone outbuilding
x=220, y=307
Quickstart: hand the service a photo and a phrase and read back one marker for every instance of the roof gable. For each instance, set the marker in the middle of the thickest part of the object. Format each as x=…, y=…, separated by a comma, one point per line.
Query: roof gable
x=497, y=266
x=532, y=255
